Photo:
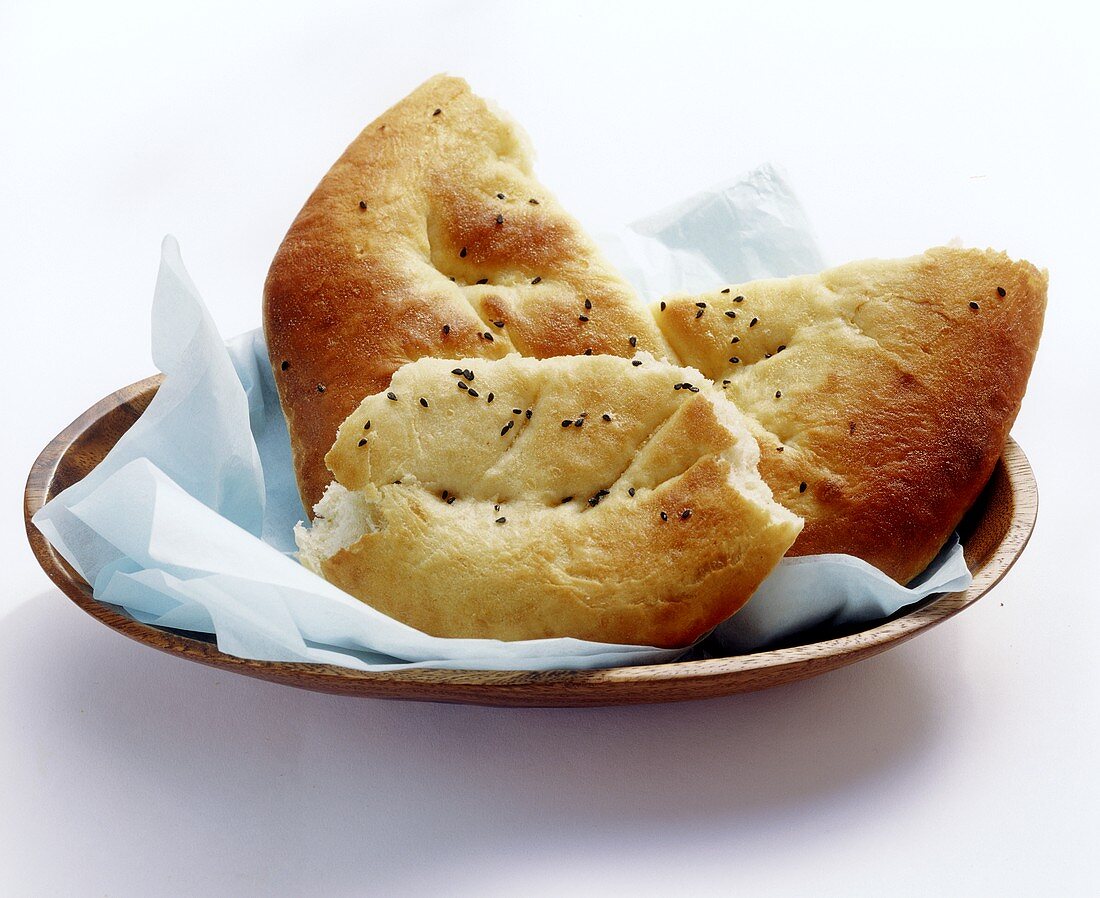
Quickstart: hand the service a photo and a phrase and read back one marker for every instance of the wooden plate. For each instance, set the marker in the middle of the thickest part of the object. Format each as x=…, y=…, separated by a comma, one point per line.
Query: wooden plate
x=994, y=534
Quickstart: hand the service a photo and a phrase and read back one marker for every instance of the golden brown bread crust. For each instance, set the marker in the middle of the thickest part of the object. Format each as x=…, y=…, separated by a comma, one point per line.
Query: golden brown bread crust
x=464, y=492
x=890, y=387
x=382, y=267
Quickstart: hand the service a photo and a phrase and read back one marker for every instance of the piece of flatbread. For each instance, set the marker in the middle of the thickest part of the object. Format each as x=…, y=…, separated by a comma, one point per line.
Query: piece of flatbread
x=430, y=237
x=881, y=392
x=519, y=499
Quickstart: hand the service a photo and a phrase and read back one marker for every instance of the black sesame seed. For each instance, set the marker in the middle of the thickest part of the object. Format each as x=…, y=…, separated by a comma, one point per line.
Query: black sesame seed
x=496, y=508
x=767, y=355
x=507, y=427
x=567, y=422
x=606, y=416
x=582, y=317
x=588, y=352
x=481, y=281
x=462, y=252
x=753, y=322
x=473, y=392
x=594, y=501
x=802, y=487
x=584, y=414
x=739, y=299
x=320, y=388
x=498, y=324
x=462, y=385
x=366, y=426
x=734, y=360
x=445, y=494
x=501, y=520
x=677, y=386
x=699, y=314
x=457, y=371
x=633, y=341
x=446, y=329
x=630, y=492
x=467, y=373
x=731, y=314
x=516, y=411
x=778, y=448
x=636, y=362
x=727, y=290
x=664, y=516
x=579, y=422
x=500, y=196
x=780, y=347
x=685, y=514
x=533, y=202
x=588, y=304
x=566, y=499
x=488, y=337
x=285, y=365
x=662, y=306
x=490, y=397
x=423, y=402
x=362, y=205
x=1001, y=291
x=451, y=501
x=735, y=340
x=362, y=442
x=527, y=414
x=701, y=305
x=453, y=280
x=536, y=280
x=974, y=305
x=500, y=219
x=778, y=394
x=437, y=112
x=392, y=397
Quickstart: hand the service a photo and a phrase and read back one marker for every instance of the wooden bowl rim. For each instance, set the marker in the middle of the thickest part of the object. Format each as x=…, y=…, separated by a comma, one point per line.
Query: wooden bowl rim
x=420, y=682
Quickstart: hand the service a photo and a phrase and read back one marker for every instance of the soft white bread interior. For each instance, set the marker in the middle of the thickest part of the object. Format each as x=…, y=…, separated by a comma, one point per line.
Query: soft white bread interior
x=596, y=497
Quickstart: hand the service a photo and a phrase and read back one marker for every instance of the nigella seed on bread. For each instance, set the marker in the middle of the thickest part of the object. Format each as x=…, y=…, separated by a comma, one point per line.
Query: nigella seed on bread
x=672, y=532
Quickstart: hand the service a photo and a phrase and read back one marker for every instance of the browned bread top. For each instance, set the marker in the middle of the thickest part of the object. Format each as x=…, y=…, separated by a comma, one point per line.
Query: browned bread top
x=430, y=237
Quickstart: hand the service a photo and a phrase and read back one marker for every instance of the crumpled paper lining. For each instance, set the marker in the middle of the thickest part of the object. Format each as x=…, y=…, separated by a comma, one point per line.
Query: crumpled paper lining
x=188, y=521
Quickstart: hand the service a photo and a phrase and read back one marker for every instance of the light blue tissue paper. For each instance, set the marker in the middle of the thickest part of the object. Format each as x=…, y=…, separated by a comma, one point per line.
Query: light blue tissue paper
x=188, y=521
x=751, y=227
x=832, y=590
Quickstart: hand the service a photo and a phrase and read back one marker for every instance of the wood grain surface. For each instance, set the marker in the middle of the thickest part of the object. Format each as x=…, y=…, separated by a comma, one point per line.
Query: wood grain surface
x=994, y=533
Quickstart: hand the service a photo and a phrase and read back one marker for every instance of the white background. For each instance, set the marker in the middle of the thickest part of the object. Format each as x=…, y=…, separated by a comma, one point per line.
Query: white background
x=962, y=763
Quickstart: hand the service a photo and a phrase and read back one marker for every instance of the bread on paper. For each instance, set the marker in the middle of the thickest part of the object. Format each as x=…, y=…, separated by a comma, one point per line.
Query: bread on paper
x=880, y=393
x=517, y=498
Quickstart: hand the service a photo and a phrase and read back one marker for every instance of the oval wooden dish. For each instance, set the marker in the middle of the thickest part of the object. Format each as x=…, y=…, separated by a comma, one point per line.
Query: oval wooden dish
x=994, y=534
